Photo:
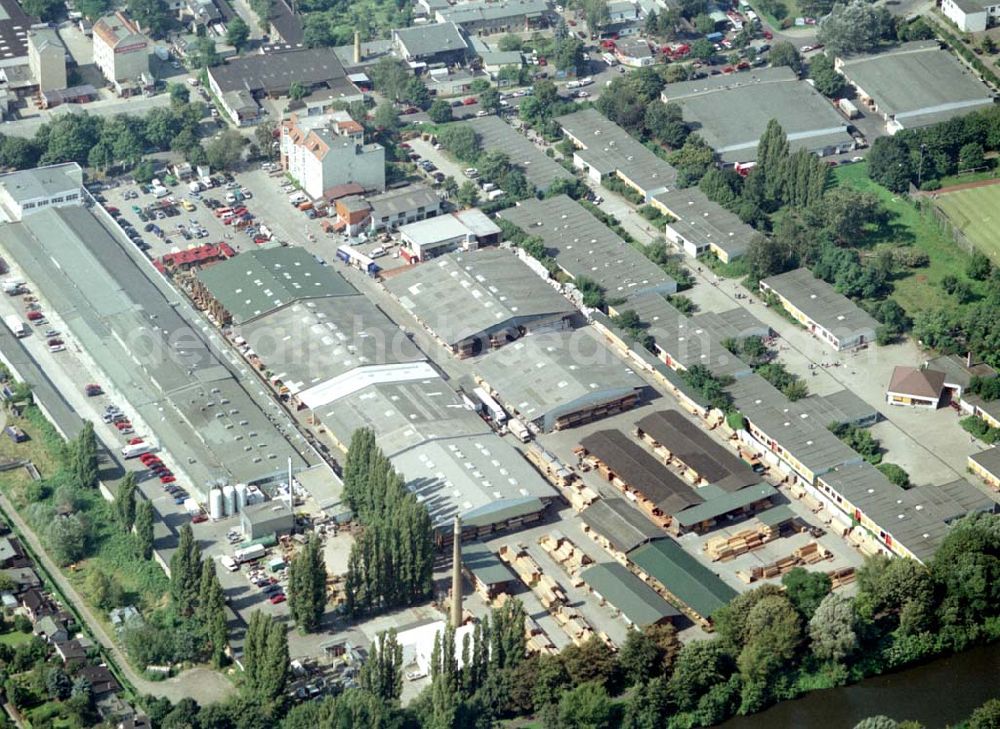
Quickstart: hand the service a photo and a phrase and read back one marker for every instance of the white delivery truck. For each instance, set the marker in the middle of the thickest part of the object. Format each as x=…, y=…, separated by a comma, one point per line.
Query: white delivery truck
x=14, y=323
x=134, y=450
x=229, y=563
x=519, y=430
x=249, y=554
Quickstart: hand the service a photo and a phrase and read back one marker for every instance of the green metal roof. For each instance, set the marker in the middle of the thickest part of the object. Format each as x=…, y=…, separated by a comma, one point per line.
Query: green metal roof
x=502, y=510
x=776, y=515
x=257, y=282
x=638, y=601
x=683, y=576
x=484, y=564
x=718, y=502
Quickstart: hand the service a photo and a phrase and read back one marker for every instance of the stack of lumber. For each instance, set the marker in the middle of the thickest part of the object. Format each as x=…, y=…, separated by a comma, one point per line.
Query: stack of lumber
x=557, y=473
x=580, y=496
x=537, y=639
x=812, y=553
x=575, y=625
x=723, y=548
x=549, y=592
x=521, y=562
x=564, y=552
x=841, y=577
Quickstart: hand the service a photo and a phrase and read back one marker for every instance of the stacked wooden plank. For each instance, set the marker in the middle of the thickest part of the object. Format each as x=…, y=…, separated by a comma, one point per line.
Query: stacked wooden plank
x=537, y=639
x=841, y=577
x=566, y=554
x=810, y=553
x=575, y=625
x=554, y=470
x=723, y=548
x=521, y=562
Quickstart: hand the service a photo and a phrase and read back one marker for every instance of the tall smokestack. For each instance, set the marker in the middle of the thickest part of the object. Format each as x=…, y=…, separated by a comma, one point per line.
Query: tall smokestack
x=456, y=574
x=357, y=46
x=291, y=496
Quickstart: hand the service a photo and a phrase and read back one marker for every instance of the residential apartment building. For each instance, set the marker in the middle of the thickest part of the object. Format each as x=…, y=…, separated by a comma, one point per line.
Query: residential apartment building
x=324, y=151
x=47, y=59
x=121, y=52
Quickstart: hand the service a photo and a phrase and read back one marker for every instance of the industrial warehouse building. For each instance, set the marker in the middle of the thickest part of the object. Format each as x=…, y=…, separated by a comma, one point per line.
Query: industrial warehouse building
x=702, y=226
x=619, y=525
x=915, y=85
x=117, y=308
x=560, y=379
x=732, y=112
x=488, y=574
x=465, y=230
x=431, y=43
x=682, y=341
x=29, y=192
x=270, y=517
x=971, y=16
x=986, y=465
x=480, y=300
x=828, y=315
x=449, y=456
x=584, y=247
x=485, y=18
x=604, y=149
x=668, y=500
x=259, y=281
x=540, y=170
x=637, y=602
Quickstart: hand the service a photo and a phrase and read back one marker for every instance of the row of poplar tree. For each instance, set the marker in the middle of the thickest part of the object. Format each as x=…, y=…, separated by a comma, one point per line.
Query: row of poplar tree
x=392, y=560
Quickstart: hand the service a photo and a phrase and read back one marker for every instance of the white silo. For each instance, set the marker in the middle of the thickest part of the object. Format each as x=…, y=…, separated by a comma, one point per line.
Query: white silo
x=229, y=499
x=241, y=496
x=215, y=509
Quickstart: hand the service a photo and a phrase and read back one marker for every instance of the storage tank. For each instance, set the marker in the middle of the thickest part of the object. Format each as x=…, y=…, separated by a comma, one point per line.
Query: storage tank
x=241, y=496
x=229, y=500
x=215, y=509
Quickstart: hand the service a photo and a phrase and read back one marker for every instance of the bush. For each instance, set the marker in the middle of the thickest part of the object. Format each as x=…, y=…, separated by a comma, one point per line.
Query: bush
x=895, y=473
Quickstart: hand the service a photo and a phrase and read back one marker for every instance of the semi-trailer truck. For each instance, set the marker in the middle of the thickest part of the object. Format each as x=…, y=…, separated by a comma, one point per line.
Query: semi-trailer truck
x=134, y=450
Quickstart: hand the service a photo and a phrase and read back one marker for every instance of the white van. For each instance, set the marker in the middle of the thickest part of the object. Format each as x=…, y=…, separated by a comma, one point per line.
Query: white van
x=229, y=563
x=377, y=252
x=160, y=192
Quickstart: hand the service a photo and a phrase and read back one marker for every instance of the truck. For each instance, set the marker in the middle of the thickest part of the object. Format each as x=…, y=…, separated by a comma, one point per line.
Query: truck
x=493, y=410
x=519, y=430
x=16, y=326
x=13, y=286
x=134, y=450
x=249, y=554
x=848, y=108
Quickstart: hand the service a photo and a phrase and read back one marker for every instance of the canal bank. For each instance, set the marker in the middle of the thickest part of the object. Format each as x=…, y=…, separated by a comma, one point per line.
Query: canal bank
x=936, y=694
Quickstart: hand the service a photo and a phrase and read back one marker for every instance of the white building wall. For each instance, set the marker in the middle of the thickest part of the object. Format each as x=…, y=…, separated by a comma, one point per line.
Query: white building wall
x=967, y=22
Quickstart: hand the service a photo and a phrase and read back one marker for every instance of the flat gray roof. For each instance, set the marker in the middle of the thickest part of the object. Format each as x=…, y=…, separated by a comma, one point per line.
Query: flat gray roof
x=540, y=170
x=404, y=200
x=465, y=295
x=259, y=281
x=134, y=325
x=42, y=181
x=271, y=72
x=917, y=83
x=545, y=376
x=692, y=340
x=472, y=12
x=731, y=112
x=989, y=460
x=429, y=39
x=918, y=518
x=314, y=340
x=795, y=427
x=819, y=301
x=704, y=222
x=608, y=148
x=584, y=246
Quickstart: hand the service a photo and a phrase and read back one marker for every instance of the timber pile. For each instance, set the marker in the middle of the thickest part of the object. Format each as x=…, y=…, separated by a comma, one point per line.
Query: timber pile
x=575, y=625
x=537, y=639
x=521, y=562
x=557, y=473
x=566, y=554
x=841, y=577
x=723, y=549
x=810, y=553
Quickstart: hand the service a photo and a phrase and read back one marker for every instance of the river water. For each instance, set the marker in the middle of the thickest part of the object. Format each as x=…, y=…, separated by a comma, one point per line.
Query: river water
x=936, y=694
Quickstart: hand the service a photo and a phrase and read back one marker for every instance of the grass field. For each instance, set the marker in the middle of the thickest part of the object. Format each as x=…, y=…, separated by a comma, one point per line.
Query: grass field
x=976, y=212
x=919, y=288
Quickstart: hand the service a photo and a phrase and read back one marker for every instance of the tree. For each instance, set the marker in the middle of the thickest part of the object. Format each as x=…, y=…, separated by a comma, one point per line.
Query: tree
x=767, y=257
x=461, y=141
x=225, y=150
x=83, y=456
x=263, y=135
x=185, y=573
x=382, y=673
x=104, y=591
x=212, y=613
x=774, y=632
x=845, y=213
x=639, y=657
x=856, y=27
x=307, y=586
x=703, y=50
x=966, y=566
x=889, y=588
x=125, y=501
x=806, y=589
x=417, y=94
x=895, y=473
x=591, y=661
x=144, y=528
x=237, y=33
x=152, y=14
x=440, y=111
x=701, y=664
x=47, y=10
x=889, y=163
x=569, y=55
x=827, y=80
x=93, y=9
x=979, y=267
x=58, y=684
x=784, y=53
x=986, y=716
x=595, y=12
x=510, y=42
x=179, y=94
x=204, y=54
x=489, y=100
x=67, y=537
x=832, y=629
x=586, y=706
x=703, y=23
x=389, y=77
x=468, y=194
x=265, y=657
x=648, y=706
